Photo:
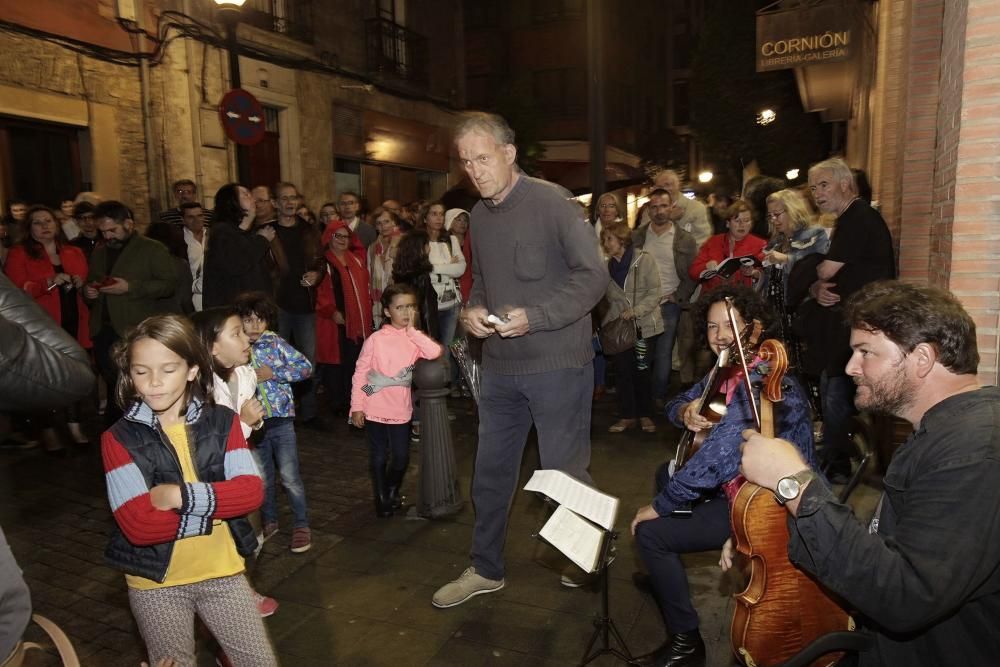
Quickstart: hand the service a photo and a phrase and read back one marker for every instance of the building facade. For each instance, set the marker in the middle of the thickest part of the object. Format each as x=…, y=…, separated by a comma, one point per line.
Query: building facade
x=122, y=97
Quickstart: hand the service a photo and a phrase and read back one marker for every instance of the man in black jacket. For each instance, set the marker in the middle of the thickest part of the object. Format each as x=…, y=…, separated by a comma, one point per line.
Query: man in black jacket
x=41, y=367
x=924, y=575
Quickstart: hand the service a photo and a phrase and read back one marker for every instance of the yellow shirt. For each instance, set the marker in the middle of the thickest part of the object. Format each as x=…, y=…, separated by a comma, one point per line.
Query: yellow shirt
x=196, y=558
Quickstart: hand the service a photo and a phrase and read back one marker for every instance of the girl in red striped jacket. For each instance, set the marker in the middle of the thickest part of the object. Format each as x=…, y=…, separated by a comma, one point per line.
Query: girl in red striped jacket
x=381, y=401
x=181, y=481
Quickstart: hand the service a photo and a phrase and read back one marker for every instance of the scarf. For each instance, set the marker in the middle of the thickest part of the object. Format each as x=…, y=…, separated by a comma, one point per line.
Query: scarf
x=353, y=281
x=619, y=268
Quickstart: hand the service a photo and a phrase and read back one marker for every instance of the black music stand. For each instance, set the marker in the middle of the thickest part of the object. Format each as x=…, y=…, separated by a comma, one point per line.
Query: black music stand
x=604, y=625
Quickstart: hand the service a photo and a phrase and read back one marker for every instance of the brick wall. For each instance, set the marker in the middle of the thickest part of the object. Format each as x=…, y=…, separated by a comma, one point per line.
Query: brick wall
x=967, y=252
x=917, y=166
x=935, y=156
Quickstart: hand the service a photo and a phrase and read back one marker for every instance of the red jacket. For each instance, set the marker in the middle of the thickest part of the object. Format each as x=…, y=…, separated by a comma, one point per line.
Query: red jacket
x=30, y=274
x=716, y=249
x=357, y=303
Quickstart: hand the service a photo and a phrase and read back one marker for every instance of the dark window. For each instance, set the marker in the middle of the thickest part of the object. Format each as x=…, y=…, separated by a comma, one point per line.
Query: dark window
x=288, y=17
x=683, y=45
x=553, y=10
x=682, y=105
x=560, y=91
x=481, y=91
x=40, y=162
x=481, y=14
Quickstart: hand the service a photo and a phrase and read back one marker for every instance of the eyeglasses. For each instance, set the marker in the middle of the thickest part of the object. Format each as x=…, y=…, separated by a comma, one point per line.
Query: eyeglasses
x=342, y=236
x=288, y=198
x=775, y=216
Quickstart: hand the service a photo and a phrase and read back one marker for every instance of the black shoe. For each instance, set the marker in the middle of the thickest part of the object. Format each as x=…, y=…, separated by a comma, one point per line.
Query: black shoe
x=395, y=488
x=685, y=649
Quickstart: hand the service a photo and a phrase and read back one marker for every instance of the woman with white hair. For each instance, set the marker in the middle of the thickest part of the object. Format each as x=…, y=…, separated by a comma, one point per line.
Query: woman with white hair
x=795, y=235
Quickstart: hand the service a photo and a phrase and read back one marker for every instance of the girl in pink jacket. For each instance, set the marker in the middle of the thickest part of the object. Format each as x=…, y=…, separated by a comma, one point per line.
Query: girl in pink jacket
x=381, y=400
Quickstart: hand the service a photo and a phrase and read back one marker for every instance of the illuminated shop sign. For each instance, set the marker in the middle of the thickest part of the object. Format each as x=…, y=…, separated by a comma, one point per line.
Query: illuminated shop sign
x=810, y=35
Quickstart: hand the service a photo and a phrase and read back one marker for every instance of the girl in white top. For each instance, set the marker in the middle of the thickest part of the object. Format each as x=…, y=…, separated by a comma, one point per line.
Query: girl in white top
x=449, y=265
x=234, y=386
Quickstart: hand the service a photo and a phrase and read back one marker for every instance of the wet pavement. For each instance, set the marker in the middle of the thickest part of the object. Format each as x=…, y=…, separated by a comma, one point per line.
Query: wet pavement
x=361, y=595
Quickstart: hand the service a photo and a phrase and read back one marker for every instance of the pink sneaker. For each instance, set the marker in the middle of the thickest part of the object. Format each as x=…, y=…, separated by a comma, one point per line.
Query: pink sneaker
x=265, y=605
x=301, y=540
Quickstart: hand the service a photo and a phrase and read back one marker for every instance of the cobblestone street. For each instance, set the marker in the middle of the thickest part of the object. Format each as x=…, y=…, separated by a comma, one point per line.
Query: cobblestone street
x=361, y=595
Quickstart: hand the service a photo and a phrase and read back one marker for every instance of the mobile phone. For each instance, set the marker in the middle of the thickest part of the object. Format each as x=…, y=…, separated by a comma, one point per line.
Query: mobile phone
x=495, y=319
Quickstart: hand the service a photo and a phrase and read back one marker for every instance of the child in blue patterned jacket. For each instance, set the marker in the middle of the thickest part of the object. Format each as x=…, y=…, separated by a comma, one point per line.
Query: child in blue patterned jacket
x=277, y=365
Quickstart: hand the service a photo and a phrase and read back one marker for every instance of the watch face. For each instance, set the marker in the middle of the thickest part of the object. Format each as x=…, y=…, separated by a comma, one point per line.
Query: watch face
x=788, y=488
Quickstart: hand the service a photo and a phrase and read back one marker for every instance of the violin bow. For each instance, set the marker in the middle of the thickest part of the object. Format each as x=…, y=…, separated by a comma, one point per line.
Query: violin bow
x=741, y=354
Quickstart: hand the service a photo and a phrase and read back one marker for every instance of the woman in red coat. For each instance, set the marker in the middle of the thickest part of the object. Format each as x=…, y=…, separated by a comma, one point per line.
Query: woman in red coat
x=343, y=311
x=737, y=242
x=52, y=271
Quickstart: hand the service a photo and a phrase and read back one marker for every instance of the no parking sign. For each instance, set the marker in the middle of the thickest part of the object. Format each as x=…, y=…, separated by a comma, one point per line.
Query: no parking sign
x=242, y=117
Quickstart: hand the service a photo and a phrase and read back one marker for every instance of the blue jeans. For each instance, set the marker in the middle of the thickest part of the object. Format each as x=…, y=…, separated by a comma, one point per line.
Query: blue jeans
x=558, y=403
x=600, y=363
x=278, y=446
x=663, y=358
x=299, y=329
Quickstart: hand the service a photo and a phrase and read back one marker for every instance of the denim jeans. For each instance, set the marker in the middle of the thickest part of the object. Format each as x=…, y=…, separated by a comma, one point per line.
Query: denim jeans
x=299, y=329
x=600, y=363
x=663, y=358
x=278, y=447
x=558, y=403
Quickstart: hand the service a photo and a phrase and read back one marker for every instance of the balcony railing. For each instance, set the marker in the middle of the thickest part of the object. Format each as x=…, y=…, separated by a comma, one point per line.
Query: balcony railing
x=287, y=17
x=395, y=51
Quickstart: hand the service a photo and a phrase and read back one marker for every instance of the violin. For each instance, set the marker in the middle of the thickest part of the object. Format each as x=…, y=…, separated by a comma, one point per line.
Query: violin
x=782, y=609
x=712, y=402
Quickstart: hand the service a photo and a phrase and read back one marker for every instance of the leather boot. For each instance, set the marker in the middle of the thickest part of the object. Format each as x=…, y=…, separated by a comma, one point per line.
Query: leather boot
x=395, y=487
x=383, y=508
x=684, y=649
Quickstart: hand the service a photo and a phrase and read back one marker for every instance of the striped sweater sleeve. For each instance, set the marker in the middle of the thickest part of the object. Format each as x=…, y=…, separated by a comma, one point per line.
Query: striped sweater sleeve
x=240, y=494
x=131, y=506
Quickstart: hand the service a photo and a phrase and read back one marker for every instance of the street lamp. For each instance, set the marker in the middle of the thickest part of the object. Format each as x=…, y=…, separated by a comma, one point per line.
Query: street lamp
x=705, y=177
x=229, y=14
x=766, y=117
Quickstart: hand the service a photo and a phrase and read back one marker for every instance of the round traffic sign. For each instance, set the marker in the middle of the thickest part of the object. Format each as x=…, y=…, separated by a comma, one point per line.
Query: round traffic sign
x=242, y=117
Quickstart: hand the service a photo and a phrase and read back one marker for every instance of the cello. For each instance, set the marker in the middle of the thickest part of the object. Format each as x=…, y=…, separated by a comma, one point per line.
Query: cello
x=782, y=609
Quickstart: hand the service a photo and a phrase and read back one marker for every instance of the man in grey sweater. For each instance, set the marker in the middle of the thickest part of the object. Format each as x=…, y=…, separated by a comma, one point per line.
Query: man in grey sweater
x=536, y=278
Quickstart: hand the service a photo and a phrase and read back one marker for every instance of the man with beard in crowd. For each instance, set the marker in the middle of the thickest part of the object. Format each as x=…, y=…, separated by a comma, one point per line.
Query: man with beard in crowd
x=128, y=277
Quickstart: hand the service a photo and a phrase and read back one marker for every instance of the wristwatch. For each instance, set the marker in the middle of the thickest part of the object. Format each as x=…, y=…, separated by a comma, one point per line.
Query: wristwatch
x=790, y=487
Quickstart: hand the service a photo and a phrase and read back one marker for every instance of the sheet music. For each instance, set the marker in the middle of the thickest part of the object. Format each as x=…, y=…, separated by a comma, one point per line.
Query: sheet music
x=575, y=537
x=573, y=494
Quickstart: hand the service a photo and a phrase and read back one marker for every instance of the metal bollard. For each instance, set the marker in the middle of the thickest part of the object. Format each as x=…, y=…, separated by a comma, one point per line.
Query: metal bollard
x=439, y=494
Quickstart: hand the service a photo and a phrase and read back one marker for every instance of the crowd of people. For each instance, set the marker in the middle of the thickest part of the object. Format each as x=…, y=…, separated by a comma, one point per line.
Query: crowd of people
x=212, y=329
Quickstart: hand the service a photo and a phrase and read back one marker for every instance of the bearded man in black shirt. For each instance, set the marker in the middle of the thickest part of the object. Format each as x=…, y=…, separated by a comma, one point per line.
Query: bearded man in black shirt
x=923, y=578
